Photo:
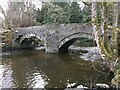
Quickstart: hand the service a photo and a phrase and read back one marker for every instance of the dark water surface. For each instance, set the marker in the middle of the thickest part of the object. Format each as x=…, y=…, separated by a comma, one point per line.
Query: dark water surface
x=36, y=69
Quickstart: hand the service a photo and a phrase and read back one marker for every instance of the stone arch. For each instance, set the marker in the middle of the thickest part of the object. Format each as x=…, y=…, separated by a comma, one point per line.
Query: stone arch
x=69, y=40
x=30, y=39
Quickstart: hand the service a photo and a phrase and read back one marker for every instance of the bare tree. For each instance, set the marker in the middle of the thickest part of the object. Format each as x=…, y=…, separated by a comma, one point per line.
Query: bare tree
x=6, y=19
x=21, y=14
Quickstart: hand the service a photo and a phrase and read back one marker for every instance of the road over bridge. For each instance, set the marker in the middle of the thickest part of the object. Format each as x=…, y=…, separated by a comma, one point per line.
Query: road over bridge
x=55, y=37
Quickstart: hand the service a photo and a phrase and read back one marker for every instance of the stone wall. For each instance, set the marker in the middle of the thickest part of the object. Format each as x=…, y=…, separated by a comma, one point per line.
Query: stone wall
x=55, y=34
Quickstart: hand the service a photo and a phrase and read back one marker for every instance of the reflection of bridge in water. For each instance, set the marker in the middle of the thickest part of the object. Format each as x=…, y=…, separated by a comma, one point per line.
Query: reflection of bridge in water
x=55, y=37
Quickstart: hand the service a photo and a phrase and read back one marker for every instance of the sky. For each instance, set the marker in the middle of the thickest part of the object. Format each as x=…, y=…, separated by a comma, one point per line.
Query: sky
x=3, y=3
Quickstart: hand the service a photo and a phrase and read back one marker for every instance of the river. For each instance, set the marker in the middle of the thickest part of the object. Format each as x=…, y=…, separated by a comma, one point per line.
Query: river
x=36, y=69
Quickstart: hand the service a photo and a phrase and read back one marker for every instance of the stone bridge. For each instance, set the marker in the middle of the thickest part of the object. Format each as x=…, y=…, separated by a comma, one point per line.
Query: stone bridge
x=55, y=37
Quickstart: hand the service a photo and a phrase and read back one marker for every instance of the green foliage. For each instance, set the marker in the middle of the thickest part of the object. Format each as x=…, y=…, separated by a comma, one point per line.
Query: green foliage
x=84, y=42
x=86, y=14
x=51, y=13
x=75, y=13
x=39, y=16
x=63, y=12
x=109, y=8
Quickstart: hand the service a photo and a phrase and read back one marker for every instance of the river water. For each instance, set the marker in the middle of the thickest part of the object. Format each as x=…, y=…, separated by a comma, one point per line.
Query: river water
x=36, y=69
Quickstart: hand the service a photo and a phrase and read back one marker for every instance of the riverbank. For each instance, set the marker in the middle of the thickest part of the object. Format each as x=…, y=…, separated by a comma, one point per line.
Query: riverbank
x=6, y=49
x=87, y=53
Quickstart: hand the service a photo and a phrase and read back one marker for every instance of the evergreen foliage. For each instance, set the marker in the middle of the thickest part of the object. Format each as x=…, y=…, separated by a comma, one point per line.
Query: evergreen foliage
x=63, y=12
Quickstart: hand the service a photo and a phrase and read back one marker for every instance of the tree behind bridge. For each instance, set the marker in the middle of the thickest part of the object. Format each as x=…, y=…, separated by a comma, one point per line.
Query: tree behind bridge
x=21, y=14
x=63, y=12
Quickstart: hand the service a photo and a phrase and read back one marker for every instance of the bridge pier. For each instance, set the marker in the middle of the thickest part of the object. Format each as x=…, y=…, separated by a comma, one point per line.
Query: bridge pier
x=51, y=42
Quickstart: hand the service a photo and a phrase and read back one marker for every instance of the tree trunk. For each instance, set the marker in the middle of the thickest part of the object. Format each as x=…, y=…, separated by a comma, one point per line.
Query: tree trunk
x=114, y=32
x=118, y=38
x=102, y=40
x=99, y=41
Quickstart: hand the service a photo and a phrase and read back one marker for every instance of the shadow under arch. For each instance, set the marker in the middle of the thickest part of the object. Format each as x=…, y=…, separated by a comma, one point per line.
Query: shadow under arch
x=28, y=40
x=69, y=40
x=64, y=47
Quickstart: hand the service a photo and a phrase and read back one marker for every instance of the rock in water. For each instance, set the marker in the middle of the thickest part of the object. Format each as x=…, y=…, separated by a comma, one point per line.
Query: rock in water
x=101, y=85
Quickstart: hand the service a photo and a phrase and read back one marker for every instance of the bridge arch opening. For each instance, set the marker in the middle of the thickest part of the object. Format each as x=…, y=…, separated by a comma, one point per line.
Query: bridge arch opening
x=70, y=40
x=64, y=47
x=29, y=41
